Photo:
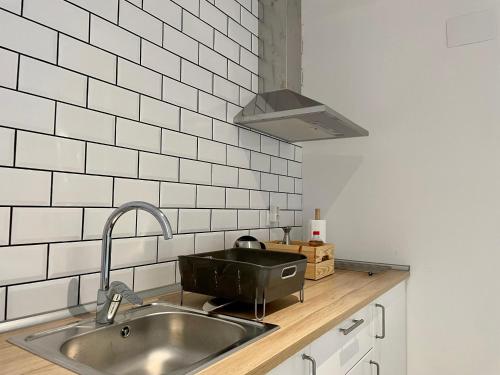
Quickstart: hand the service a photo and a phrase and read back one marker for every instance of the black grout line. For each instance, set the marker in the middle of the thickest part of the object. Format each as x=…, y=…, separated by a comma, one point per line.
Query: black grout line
x=11, y=213
x=18, y=70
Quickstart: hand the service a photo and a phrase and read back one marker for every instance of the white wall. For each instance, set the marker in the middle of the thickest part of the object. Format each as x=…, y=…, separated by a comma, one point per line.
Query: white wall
x=424, y=188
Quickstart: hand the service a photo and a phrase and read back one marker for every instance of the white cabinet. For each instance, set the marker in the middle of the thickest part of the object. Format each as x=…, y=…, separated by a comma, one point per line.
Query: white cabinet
x=390, y=344
x=358, y=346
x=295, y=365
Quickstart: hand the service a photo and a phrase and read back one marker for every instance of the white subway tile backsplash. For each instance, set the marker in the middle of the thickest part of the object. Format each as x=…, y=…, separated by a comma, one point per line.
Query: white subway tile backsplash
x=224, y=132
x=255, y=8
x=224, y=176
x=6, y=146
x=239, y=75
x=196, y=172
x=196, y=124
x=239, y=34
x=179, y=144
x=294, y=169
x=237, y=198
x=114, y=39
x=181, y=244
x=15, y=7
x=127, y=190
x=107, y=9
x=139, y=79
x=133, y=251
x=278, y=165
x=212, y=106
x=81, y=123
x=80, y=190
x=133, y=134
x=159, y=113
x=154, y=276
x=177, y=195
x=95, y=218
x=27, y=37
x=211, y=151
x=195, y=76
x=8, y=68
x=129, y=69
x=17, y=187
x=194, y=221
x=50, y=81
x=249, y=21
x=4, y=225
x=286, y=184
x=248, y=219
x=230, y=7
x=161, y=60
x=287, y=150
x=232, y=236
x=269, y=145
x=210, y=197
x=180, y=44
x=255, y=83
x=112, y=161
x=213, y=16
x=90, y=283
x=60, y=15
x=279, y=200
x=213, y=61
x=294, y=202
x=15, y=268
x=268, y=182
x=204, y=242
x=180, y=94
x=260, y=234
x=43, y=296
x=165, y=10
x=298, y=154
x=158, y=167
x=287, y=218
x=112, y=99
x=238, y=157
x=249, y=179
x=226, y=89
x=3, y=294
x=249, y=61
x=227, y=47
x=45, y=224
x=197, y=29
x=24, y=111
x=71, y=258
x=47, y=152
x=259, y=199
x=134, y=19
x=147, y=224
x=224, y=219
x=260, y=162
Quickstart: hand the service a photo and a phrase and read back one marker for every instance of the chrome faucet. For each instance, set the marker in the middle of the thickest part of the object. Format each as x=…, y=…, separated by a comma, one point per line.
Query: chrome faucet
x=109, y=297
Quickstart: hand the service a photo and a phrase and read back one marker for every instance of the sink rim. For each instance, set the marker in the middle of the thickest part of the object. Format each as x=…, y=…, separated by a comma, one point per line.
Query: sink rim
x=36, y=343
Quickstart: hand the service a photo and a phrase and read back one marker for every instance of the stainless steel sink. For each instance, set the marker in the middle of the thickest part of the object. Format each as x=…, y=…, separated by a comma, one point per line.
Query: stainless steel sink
x=154, y=339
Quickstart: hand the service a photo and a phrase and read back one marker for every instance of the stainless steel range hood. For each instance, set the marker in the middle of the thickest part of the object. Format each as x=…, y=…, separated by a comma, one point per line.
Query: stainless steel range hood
x=279, y=109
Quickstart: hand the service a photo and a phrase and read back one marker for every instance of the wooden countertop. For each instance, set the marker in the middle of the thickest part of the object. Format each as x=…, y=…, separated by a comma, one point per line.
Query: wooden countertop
x=327, y=303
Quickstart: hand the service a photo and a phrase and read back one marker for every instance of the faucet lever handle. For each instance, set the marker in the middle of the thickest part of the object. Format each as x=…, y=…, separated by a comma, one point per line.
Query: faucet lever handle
x=117, y=287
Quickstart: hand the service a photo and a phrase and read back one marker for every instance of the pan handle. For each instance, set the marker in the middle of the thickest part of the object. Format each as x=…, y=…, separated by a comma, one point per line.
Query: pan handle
x=288, y=272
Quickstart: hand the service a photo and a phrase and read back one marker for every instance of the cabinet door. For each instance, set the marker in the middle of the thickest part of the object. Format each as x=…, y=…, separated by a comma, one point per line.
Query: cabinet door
x=366, y=366
x=391, y=347
x=295, y=365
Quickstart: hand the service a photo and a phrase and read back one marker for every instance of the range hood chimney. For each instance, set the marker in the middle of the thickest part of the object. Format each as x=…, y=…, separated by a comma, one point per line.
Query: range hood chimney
x=279, y=109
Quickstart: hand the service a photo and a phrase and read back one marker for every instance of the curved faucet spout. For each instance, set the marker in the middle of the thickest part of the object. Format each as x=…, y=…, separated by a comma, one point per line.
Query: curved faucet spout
x=108, y=230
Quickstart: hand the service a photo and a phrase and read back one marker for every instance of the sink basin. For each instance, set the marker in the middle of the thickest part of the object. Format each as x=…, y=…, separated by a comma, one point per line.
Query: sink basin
x=149, y=340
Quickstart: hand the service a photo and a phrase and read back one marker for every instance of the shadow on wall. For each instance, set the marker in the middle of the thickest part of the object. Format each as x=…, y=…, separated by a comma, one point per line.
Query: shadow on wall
x=325, y=176
x=72, y=297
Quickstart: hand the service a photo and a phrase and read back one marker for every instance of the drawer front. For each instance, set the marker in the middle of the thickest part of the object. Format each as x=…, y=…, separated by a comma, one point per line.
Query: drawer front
x=341, y=348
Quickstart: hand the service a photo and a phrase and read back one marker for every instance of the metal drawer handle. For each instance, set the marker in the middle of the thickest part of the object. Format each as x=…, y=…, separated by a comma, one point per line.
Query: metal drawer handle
x=357, y=323
x=306, y=357
x=382, y=307
x=288, y=272
x=377, y=366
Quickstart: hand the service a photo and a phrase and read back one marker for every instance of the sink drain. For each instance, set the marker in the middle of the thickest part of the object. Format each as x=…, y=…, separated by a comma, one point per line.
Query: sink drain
x=125, y=332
